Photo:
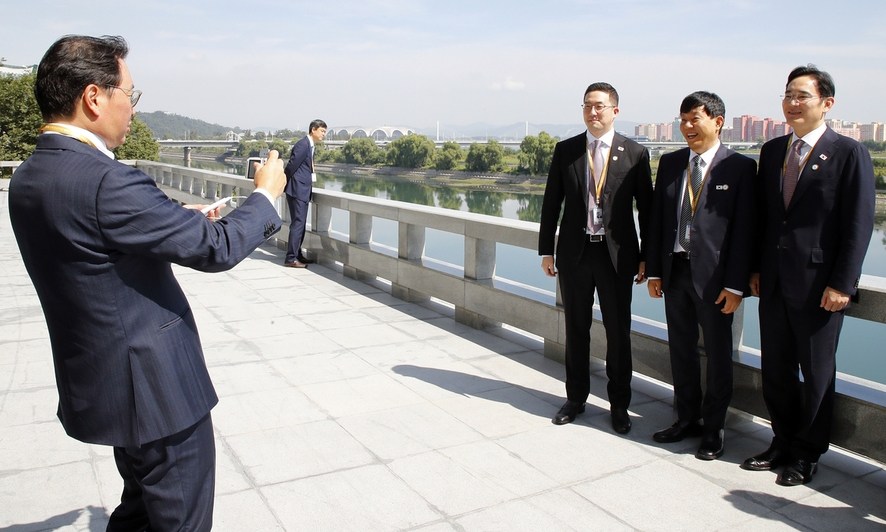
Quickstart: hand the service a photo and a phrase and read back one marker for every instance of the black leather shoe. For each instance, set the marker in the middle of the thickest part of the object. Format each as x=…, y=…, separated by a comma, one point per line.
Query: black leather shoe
x=711, y=446
x=621, y=421
x=765, y=461
x=678, y=431
x=796, y=473
x=304, y=260
x=567, y=412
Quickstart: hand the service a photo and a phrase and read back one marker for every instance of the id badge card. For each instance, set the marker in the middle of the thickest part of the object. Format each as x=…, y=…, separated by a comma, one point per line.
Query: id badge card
x=597, y=215
x=313, y=177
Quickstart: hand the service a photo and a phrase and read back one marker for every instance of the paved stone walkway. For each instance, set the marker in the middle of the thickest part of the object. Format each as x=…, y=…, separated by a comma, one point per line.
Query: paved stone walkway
x=343, y=408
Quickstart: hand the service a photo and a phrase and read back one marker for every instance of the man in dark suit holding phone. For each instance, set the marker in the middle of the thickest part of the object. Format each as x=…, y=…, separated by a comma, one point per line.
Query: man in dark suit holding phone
x=300, y=177
x=98, y=239
x=595, y=179
x=816, y=196
x=699, y=259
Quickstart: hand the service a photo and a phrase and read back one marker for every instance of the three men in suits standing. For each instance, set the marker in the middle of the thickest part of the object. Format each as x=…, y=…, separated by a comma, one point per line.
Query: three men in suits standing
x=699, y=256
x=97, y=238
x=595, y=179
x=300, y=177
x=816, y=199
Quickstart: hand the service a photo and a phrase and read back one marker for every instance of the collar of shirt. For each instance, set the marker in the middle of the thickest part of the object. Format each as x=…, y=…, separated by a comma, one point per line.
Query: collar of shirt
x=707, y=156
x=608, y=138
x=809, y=140
x=93, y=138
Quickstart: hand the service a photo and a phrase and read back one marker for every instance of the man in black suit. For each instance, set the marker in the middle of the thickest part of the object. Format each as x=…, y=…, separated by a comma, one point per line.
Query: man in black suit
x=97, y=238
x=816, y=197
x=300, y=177
x=699, y=258
x=595, y=178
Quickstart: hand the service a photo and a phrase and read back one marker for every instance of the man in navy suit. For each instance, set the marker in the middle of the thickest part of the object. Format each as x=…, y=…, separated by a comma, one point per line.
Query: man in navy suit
x=300, y=177
x=98, y=238
x=816, y=197
x=595, y=179
x=699, y=258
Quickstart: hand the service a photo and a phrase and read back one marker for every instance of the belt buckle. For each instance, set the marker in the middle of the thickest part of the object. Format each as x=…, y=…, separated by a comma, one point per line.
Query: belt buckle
x=595, y=238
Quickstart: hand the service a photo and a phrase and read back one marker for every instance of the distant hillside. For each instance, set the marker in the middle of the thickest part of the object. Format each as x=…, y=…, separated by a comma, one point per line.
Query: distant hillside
x=172, y=126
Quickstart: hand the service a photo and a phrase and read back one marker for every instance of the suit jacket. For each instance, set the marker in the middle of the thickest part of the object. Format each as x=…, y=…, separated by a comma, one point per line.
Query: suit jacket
x=299, y=169
x=721, y=235
x=628, y=179
x=821, y=239
x=98, y=238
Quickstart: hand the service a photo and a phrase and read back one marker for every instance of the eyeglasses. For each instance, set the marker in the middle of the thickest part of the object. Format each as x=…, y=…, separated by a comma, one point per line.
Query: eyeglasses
x=133, y=94
x=799, y=98
x=599, y=107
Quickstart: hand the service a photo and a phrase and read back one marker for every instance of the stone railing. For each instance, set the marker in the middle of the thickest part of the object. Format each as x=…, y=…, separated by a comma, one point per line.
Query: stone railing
x=860, y=417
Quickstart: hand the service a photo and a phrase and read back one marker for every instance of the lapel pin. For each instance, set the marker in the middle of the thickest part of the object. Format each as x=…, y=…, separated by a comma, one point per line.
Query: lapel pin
x=815, y=167
x=615, y=157
x=823, y=157
x=722, y=187
x=620, y=148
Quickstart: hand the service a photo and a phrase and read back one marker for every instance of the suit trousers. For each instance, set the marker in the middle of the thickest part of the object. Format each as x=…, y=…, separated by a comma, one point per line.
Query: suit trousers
x=298, y=214
x=595, y=272
x=168, y=484
x=805, y=339
x=685, y=312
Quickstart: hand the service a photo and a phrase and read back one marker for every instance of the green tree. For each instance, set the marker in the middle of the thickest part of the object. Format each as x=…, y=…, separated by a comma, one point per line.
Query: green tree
x=250, y=148
x=487, y=157
x=140, y=143
x=536, y=153
x=19, y=117
x=362, y=151
x=411, y=151
x=281, y=146
x=449, y=156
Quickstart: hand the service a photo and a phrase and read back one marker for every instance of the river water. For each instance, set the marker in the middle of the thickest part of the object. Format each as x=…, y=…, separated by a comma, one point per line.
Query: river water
x=861, y=342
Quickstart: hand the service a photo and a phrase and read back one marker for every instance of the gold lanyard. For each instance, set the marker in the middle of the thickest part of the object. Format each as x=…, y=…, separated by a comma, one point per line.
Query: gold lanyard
x=598, y=186
x=693, y=200
x=68, y=132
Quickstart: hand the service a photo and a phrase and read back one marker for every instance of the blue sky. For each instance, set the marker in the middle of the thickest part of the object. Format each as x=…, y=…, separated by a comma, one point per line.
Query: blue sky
x=274, y=64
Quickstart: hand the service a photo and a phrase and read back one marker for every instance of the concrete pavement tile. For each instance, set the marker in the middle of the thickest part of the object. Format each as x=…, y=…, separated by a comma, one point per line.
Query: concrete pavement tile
x=341, y=501
x=367, y=335
x=233, y=379
x=439, y=379
x=68, y=498
x=574, y=453
x=409, y=352
x=230, y=476
x=407, y=430
x=290, y=453
x=305, y=344
x=421, y=330
x=322, y=367
x=27, y=373
x=499, y=413
x=38, y=445
x=656, y=489
x=522, y=516
x=852, y=505
x=402, y=312
x=269, y=325
x=344, y=319
x=36, y=405
x=242, y=511
x=490, y=461
x=360, y=395
x=448, y=485
x=263, y=410
x=573, y=512
x=234, y=350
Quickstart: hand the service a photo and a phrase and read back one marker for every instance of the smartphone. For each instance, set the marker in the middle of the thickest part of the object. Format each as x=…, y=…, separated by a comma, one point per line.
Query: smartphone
x=215, y=205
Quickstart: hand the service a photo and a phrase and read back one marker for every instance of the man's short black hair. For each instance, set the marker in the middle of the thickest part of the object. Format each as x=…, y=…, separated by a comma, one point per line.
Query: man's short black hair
x=70, y=65
x=823, y=80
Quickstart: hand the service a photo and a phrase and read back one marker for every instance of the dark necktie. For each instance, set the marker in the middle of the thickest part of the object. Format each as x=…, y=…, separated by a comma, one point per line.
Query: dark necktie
x=791, y=172
x=695, y=177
